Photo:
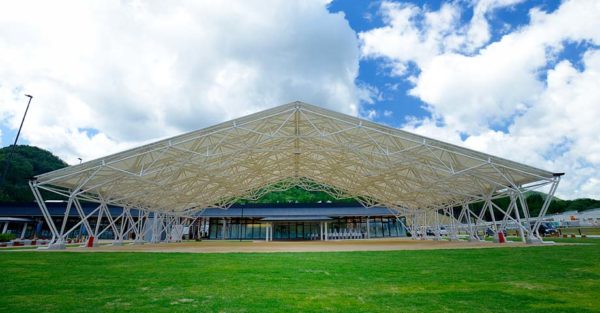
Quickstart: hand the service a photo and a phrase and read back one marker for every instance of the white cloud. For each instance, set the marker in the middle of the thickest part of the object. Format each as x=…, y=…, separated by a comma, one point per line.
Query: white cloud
x=416, y=35
x=132, y=71
x=371, y=114
x=501, y=95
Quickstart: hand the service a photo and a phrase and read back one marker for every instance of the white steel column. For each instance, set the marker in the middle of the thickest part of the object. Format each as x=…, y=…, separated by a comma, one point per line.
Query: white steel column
x=138, y=227
x=452, y=232
x=269, y=232
x=223, y=231
x=38, y=197
x=23, y=231
x=84, y=218
x=513, y=200
x=120, y=230
x=545, y=206
x=472, y=230
x=490, y=207
x=155, y=235
x=437, y=230
x=321, y=230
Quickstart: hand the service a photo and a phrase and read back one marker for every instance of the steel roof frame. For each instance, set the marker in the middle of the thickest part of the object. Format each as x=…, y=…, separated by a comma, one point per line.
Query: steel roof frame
x=296, y=144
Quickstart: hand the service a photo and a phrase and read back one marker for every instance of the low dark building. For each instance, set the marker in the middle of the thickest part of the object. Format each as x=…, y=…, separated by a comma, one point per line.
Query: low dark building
x=250, y=222
x=301, y=222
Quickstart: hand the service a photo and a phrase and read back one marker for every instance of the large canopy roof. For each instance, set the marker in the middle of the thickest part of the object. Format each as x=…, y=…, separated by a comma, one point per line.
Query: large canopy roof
x=293, y=144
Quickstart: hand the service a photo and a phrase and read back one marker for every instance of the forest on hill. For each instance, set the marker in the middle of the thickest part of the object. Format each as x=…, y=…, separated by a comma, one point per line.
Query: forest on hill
x=25, y=163
x=29, y=161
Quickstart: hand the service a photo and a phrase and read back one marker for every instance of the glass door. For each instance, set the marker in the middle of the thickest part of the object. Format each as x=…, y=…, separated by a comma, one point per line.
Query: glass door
x=281, y=231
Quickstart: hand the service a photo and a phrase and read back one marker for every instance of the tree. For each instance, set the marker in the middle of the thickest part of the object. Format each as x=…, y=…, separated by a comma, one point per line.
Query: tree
x=298, y=195
x=26, y=162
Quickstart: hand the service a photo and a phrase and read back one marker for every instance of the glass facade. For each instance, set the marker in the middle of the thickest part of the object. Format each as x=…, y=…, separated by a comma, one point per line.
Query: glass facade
x=253, y=228
x=250, y=229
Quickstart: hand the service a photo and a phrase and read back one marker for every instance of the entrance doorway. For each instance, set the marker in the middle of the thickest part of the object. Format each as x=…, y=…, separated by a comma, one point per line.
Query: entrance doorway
x=295, y=231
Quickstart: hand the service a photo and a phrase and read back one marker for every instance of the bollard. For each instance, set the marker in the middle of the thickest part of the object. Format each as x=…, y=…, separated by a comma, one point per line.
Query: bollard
x=90, y=243
x=501, y=238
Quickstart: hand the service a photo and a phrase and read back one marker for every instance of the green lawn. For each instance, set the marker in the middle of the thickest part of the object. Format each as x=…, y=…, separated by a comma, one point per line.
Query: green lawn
x=580, y=230
x=534, y=279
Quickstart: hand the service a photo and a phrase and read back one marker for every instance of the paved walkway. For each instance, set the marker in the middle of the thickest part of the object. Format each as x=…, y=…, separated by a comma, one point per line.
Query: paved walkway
x=218, y=246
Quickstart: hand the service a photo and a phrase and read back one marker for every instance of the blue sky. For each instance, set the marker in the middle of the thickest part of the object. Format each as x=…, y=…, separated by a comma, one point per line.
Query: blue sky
x=364, y=16
x=514, y=78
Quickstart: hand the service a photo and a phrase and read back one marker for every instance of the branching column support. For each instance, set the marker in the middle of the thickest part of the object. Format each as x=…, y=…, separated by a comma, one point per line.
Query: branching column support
x=47, y=217
x=423, y=225
x=534, y=236
x=121, y=230
x=513, y=201
x=59, y=236
x=528, y=222
x=156, y=227
x=472, y=228
x=413, y=225
x=84, y=218
x=489, y=206
x=453, y=231
x=177, y=227
x=140, y=226
x=436, y=228
x=166, y=227
x=508, y=219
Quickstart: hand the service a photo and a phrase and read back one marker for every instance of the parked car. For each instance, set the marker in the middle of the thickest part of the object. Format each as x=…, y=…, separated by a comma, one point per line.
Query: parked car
x=547, y=229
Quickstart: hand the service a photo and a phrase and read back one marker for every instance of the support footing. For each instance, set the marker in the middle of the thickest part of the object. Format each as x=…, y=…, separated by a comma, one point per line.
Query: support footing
x=534, y=240
x=55, y=246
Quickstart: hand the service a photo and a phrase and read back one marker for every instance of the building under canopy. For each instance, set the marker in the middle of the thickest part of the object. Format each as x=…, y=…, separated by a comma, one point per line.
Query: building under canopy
x=298, y=144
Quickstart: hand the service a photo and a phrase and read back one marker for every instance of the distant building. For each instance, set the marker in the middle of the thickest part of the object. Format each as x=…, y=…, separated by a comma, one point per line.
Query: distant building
x=575, y=219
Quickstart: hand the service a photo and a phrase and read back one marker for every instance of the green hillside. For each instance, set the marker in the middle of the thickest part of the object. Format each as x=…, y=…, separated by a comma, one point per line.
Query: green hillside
x=26, y=162
x=298, y=195
x=535, y=201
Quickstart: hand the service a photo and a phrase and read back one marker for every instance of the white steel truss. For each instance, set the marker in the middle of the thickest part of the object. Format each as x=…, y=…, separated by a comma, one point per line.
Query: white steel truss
x=297, y=144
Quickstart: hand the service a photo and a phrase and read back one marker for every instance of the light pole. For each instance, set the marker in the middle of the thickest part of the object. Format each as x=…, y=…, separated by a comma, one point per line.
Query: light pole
x=14, y=146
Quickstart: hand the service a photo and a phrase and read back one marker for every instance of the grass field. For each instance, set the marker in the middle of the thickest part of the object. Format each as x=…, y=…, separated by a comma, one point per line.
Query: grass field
x=534, y=279
x=580, y=230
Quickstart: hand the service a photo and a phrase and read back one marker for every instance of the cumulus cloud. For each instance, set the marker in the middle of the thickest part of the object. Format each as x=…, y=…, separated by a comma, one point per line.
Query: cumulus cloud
x=108, y=75
x=514, y=97
x=415, y=34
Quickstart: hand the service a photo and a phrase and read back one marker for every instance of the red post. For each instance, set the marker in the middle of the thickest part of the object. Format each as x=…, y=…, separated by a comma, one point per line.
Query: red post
x=90, y=243
x=501, y=238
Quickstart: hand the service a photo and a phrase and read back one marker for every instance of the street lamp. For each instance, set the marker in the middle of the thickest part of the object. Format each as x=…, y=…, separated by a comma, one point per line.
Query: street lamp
x=14, y=146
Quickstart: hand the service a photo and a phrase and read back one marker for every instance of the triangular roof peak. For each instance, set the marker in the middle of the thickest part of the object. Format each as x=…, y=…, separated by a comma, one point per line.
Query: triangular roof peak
x=294, y=143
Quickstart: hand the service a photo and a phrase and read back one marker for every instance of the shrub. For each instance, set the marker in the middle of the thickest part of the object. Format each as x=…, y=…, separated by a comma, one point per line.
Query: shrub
x=7, y=237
